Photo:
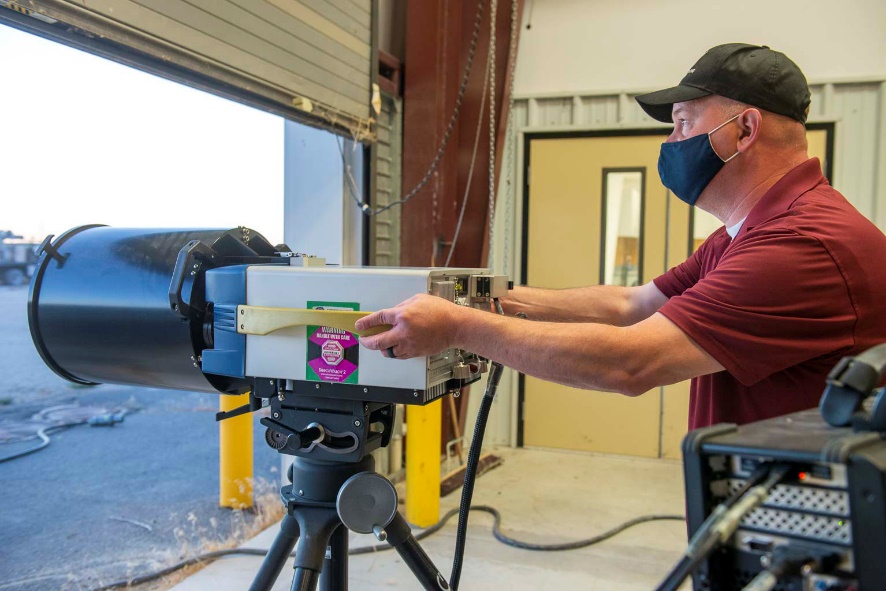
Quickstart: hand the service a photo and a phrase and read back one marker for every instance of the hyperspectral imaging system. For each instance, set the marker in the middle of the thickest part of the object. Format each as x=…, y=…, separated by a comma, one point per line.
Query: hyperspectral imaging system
x=225, y=311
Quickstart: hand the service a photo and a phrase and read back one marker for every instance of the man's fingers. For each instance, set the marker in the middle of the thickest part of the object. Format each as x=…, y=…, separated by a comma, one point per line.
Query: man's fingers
x=379, y=342
x=374, y=319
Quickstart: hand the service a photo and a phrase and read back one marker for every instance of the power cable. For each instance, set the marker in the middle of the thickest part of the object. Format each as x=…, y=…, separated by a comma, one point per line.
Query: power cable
x=496, y=532
x=43, y=434
x=467, y=491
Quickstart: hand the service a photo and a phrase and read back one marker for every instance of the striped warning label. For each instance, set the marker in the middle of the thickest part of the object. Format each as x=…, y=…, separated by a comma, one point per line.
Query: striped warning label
x=15, y=7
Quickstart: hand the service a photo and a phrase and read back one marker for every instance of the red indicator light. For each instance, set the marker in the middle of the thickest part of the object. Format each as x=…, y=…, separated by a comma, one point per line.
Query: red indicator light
x=802, y=475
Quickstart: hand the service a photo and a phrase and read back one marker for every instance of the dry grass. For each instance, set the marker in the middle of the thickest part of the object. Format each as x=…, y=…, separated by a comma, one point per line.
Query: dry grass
x=195, y=538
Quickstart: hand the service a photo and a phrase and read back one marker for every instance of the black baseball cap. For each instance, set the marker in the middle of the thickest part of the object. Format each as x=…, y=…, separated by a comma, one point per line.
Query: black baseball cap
x=751, y=74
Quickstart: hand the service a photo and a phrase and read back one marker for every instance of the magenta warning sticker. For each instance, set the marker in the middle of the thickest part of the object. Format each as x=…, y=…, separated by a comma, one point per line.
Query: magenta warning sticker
x=333, y=354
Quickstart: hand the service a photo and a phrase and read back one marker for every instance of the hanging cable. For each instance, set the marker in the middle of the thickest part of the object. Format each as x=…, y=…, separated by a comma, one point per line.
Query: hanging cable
x=509, y=147
x=464, y=201
x=450, y=127
x=490, y=73
x=493, y=10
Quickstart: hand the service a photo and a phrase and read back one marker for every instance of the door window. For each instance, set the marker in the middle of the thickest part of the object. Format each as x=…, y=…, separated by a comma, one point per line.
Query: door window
x=622, y=239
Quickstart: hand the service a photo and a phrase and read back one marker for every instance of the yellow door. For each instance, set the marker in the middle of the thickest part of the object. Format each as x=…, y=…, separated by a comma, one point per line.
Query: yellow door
x=583, y=227
x=568, y=245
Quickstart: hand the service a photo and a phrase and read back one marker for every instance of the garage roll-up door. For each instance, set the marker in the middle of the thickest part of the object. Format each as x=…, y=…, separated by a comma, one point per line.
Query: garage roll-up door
x=309, y=60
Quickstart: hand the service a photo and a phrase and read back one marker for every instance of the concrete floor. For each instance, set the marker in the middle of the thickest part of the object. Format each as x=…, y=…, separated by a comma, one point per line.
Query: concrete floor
x=543, y=497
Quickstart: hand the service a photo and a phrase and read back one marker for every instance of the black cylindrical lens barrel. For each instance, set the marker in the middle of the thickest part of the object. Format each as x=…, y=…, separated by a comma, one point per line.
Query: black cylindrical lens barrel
x=99, y=306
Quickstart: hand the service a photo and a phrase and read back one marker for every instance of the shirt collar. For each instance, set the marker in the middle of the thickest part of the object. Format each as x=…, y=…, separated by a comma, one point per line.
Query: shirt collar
x=734, y=230
x=783, y=193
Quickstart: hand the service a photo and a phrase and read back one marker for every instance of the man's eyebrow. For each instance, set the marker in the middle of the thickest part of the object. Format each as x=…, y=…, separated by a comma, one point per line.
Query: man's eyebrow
x=678, y=110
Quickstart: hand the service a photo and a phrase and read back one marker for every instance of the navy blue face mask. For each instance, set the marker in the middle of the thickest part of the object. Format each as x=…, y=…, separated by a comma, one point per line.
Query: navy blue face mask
x=688, y=166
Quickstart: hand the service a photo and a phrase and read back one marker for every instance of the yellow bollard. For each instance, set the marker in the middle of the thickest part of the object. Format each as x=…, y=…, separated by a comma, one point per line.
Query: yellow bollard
x=423, y=464
x=235, y=455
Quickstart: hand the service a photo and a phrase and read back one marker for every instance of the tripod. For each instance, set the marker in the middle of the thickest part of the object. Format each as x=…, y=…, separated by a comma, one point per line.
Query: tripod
x=334, y=488
x=354, y=497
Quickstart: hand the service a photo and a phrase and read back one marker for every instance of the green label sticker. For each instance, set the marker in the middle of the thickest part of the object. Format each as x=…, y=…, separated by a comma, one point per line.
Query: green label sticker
x=333, y=354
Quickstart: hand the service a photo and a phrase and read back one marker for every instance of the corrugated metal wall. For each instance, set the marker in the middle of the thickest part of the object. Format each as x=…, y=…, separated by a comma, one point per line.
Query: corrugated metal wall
x=385, y=238
x=284, y=50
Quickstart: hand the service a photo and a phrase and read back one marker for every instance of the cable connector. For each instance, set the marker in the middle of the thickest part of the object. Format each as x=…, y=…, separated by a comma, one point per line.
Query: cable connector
x=790, y=560
x=106, y=420
x=727, y=525
x=702, y=538
x=723, y=521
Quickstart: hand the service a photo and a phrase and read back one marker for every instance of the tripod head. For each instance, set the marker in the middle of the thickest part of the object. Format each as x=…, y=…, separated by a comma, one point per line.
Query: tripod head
x=327, y=428
x=334, y=488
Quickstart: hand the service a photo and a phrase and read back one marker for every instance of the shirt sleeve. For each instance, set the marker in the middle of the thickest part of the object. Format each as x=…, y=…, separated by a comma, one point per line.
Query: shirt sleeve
x=680, y=278
x=775, y=300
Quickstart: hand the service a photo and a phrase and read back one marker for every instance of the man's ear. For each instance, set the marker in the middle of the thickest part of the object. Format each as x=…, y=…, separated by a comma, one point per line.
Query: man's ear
x=750, y=122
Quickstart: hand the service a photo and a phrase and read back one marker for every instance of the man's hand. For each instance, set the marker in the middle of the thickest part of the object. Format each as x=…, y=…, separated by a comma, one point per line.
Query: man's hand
x=422, y=325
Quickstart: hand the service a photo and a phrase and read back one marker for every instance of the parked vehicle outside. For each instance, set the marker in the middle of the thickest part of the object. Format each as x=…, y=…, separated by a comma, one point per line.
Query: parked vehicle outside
x=18, y=259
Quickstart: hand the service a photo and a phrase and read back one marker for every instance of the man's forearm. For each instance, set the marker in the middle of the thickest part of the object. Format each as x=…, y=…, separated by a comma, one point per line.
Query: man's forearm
x=629, y=360
x=602, y=304
x=590, y=355
x=582, y=355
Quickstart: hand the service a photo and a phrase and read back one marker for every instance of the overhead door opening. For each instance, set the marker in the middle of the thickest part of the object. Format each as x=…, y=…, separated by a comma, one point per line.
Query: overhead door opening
x=305, y=60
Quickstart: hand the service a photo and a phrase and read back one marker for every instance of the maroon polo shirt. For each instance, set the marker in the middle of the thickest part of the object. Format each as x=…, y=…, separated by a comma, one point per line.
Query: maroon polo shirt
x=801, y=285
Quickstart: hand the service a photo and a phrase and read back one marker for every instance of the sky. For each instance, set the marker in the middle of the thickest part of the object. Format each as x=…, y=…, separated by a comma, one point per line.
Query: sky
x=84, y=140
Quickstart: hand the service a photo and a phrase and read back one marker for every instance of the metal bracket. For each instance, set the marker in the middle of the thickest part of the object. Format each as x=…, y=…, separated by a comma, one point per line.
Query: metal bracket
x=191, y=258
x=255, y=404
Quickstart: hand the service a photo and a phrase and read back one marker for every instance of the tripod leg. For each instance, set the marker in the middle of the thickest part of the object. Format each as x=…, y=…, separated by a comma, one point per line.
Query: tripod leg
x=304, y=579
x=320, y=529
x=335, y=568
x=400, y=537
x=277, y=555
x=367, y=502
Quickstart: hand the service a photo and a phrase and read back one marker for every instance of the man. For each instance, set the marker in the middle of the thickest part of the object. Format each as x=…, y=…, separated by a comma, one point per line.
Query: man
x=757, y=317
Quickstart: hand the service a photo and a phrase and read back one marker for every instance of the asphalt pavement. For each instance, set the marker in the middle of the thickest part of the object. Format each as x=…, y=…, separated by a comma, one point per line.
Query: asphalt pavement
x=102, y=504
